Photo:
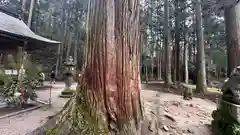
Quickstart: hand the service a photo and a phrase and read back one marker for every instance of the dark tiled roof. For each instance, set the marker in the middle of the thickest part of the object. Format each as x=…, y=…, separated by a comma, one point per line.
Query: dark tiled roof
x=15, y=27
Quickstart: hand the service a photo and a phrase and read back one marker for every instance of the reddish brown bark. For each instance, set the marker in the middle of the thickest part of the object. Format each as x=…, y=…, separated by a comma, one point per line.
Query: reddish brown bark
x=232, y=22
x=112, y=68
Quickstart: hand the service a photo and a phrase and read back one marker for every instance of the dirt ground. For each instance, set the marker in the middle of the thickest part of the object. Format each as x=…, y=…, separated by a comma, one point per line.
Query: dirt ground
x=175, y=116
x=27, y=122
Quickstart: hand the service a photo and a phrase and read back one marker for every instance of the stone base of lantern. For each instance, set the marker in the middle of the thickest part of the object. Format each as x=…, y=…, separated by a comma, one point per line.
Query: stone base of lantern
x=67, y=93
x=226, y=119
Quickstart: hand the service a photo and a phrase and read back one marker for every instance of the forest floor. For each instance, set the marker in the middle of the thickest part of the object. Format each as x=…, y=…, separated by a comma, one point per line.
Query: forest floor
x=175, y=115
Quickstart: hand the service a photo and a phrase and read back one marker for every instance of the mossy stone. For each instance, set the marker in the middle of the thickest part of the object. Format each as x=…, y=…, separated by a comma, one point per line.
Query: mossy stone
x=68, y=93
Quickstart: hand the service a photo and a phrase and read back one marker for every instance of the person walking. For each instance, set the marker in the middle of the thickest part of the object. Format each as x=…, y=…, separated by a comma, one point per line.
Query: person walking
x=52, y=77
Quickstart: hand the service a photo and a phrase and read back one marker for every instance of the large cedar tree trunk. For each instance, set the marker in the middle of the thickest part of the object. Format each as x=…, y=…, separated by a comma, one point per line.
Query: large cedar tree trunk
x=108, y=98
x=232, y=22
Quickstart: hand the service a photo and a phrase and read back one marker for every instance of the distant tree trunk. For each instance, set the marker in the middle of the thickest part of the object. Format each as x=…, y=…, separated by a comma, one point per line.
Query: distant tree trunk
x=159, y=59
x=63, y=34
x=58, y=59
x=23, y=2
x=177, y=39
x=69, y=45
x=201, y=70
x=186, y=57
x=232, y=22
x=168, y=77
x=49, y=23
x=190, y=52
x=76, y=48
x=152, y=50
x=108, y=98
x=174, y=63
x=30, y=13
x=192, y=46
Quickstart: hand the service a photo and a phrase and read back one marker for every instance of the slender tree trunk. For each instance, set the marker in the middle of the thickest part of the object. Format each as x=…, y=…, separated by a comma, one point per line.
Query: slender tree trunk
x=146, y=62
x=62, y=35
x=23, y=2
x=232, y=22
x=58, y=59
x=177, y=39
x=141, y=51
x=108, y=98
x=201, y=70
x=76, y=48
x=174, y=63
x=186, y=57
x=152, y=42
x=168, y=78
x=69, y=45
x=159, y=59
x=65, y=27
x=49, y=22
x=190, y=52
x=30, y=13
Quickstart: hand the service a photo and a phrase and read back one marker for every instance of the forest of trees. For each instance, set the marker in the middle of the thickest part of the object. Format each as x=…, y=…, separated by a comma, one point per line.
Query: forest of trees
x=170, y=38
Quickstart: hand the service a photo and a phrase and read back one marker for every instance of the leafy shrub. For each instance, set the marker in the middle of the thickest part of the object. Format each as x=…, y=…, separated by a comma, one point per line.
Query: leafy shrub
x=18, y=92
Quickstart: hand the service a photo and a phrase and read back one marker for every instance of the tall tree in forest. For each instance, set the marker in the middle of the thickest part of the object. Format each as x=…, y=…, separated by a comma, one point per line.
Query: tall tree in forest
x=177, y=41
x=201, y=69
x=168, y=77
x=108, y=98
x=152, y=41
x=30, y=13
x=232, y=22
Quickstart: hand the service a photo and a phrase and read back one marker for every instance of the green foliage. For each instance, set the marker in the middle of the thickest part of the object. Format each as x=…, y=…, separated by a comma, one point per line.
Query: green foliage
x=224, y=124
x=17, y=92
x=219, y=58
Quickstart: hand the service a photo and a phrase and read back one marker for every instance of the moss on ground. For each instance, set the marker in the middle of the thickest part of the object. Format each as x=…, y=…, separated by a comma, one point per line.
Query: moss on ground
x=68, y=93
x=209, y=89
x=78, y=118
x=68, y=90
x=52, y=131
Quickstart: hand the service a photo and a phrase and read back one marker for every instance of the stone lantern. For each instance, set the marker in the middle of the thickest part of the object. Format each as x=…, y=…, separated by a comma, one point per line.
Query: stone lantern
x=68, y=77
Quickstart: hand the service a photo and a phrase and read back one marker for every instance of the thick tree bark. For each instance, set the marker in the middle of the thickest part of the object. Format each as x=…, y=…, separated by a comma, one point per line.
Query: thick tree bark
x=168, y=77
x=108, y=98
x=232, y=22
x=201, y=70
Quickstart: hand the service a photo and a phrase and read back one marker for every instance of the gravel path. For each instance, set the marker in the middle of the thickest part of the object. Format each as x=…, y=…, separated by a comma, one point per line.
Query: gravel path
x=27, y=122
